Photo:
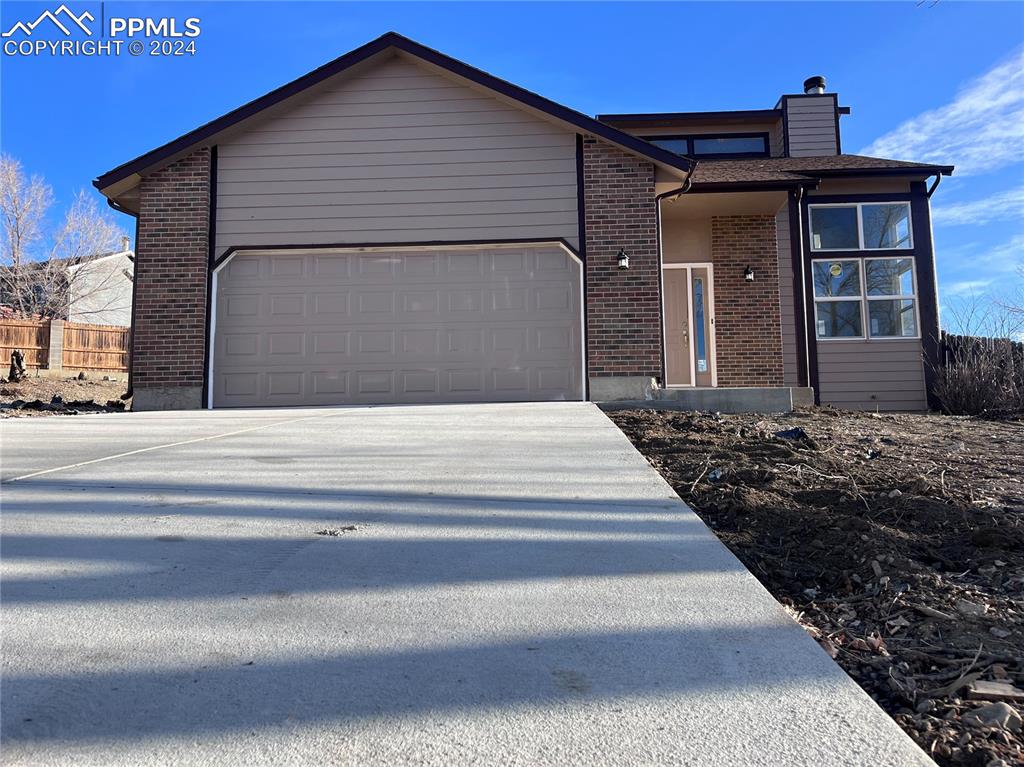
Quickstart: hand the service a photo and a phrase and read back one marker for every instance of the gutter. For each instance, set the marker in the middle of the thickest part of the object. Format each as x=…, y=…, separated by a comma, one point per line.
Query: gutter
x=131, y=344
x=687, y=185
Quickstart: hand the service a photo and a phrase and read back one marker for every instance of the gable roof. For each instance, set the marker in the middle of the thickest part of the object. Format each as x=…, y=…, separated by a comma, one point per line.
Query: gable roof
x=392, y=40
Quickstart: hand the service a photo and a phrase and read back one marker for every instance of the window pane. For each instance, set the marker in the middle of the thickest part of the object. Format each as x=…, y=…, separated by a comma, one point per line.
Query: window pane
x=677, y=145
x=729, y=145
x=892, y=318
x=886, y=226
x=834, y=228
x=889, y=276
x=699, y=339
x=838, y=319
x=836, y=278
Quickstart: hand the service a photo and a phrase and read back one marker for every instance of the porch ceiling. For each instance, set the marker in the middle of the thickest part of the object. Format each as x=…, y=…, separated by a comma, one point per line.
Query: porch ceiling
x=697, y=206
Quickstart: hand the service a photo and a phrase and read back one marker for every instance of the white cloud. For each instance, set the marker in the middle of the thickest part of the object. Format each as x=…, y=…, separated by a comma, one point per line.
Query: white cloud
x=965, y=288
x=1007, y=205
x=981, y=129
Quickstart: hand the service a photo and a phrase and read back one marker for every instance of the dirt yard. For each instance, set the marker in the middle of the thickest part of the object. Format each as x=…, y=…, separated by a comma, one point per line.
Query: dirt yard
x=36, y=396
x=896, y=540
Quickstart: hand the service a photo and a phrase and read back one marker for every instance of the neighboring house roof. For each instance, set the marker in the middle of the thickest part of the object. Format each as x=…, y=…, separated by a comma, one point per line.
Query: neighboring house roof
x=391, y=40
x=801, y=170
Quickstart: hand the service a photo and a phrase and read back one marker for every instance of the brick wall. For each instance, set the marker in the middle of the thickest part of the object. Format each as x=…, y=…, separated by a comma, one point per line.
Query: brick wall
x=170, y=273
x=623, y=306
x=748, y=332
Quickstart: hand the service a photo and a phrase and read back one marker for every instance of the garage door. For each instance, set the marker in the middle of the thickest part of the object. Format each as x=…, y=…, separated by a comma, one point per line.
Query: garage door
x=490, y=324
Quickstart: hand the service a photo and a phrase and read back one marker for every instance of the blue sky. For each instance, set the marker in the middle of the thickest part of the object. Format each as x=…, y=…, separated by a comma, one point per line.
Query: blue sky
x=936, y=82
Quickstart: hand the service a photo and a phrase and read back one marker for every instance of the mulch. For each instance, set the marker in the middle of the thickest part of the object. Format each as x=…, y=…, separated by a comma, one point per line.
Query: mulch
x=897, y=541
x=61, y=396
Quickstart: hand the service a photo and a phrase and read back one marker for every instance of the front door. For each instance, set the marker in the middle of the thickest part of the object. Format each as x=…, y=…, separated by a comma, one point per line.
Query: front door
x=689, y=325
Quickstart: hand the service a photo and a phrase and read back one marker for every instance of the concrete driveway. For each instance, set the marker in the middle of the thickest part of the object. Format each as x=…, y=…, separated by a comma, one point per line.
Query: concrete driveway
x=520, y=588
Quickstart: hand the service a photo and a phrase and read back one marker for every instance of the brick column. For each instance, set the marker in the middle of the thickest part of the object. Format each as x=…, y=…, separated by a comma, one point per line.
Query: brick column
x=623, y=306
x=170, y=295
x=748, y=326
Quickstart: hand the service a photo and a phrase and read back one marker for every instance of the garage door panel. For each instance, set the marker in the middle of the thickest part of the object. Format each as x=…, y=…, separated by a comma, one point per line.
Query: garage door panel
x=475, y=326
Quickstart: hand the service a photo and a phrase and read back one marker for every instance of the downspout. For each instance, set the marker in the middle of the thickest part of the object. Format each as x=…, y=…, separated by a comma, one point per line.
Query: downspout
x=934, y=186
x=135, y=281
x=661, y=272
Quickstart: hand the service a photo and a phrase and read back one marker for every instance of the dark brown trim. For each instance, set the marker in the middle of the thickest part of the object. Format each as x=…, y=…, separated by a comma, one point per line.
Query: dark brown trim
x=799, y=278
x=785, y=127
x=420, y=244
x=581, y=215
x=927, y=288
x=131, y=333
x=839, y=140
x=393, y=40
x=211, y=246
x=752, y=186
x=647, y=118
x=813, y=373
x=852, y=198
x=916, y=171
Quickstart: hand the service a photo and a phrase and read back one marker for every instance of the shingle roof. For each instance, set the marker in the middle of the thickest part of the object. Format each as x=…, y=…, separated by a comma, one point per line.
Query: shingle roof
x=796, y=169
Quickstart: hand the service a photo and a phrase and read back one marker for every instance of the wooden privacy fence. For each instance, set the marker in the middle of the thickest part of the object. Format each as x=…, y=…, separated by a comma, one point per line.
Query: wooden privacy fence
x=58, y=345
x=31, y=336
x=963, y=348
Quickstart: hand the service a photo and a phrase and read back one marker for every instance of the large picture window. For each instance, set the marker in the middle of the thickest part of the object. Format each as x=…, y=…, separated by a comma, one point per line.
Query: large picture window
x=861, y=226
x=865, y=298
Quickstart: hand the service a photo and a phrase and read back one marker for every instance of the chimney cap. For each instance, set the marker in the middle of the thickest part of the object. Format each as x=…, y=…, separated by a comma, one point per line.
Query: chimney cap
x=814, y=84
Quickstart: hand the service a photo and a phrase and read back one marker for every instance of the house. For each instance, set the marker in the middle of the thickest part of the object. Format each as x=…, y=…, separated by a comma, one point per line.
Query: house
x=397, y=226
x=93, y=290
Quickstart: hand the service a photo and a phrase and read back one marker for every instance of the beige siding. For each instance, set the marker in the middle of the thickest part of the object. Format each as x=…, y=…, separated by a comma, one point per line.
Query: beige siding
x=777, y=141
x=811, y=123
x=396, y=154
x=788, y=313
x=870, y=375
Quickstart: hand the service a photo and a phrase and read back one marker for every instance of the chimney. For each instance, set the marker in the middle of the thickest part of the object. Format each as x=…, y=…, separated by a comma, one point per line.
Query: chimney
x=125, y=243
x=814, y=86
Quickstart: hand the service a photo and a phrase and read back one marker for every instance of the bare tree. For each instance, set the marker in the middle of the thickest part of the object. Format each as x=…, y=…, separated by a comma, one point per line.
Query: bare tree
x=42, y=268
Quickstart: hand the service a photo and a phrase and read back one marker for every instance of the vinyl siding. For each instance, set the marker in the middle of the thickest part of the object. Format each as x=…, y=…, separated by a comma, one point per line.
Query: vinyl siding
x=786, y=303
x=396, y=154
x=870, y=375
x=100, y=291
x=811, y=123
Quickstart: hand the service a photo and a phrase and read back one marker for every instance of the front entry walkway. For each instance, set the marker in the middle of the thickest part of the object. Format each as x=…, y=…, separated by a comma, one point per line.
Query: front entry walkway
x=450, y=585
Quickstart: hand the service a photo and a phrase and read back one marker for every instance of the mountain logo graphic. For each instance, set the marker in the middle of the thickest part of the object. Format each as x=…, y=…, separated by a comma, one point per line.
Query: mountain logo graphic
x=54, y=16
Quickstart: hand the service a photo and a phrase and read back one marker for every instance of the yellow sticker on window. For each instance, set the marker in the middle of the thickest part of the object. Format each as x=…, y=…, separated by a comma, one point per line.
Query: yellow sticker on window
x=836, y=269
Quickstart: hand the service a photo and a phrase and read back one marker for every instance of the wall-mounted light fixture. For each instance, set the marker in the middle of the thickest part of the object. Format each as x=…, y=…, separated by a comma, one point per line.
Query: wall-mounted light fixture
x=748, y=274
x=623, y=258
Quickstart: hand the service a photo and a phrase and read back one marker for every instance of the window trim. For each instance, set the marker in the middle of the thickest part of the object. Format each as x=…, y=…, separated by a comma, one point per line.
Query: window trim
x=689, y=138
x=860, y=226
x=863, y=299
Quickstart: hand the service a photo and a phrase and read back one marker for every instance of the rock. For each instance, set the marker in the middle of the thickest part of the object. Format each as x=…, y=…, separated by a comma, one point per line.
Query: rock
x=998, y=633
x=82, y=376
x=984, y=690
x=999, y=714
x=970, y=609
x=795, y=433
x=715, y=474
x=895, y=493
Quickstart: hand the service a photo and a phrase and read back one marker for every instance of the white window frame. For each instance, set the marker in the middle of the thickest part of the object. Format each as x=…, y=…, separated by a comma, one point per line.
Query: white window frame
x=863, y=298
x=860, y=226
